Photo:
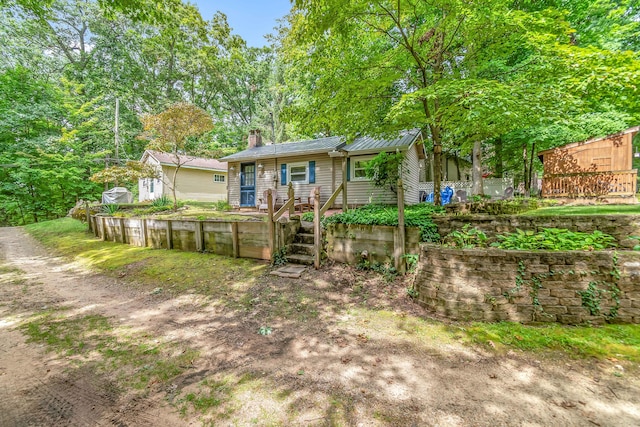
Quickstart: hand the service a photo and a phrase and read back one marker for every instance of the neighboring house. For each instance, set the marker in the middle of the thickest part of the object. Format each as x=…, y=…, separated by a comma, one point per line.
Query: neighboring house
x=319, y=162
x=453, y=168
x=198, y=179
x=594, y=168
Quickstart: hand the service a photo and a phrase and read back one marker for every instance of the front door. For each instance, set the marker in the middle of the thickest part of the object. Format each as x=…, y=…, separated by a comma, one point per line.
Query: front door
x=248, y=185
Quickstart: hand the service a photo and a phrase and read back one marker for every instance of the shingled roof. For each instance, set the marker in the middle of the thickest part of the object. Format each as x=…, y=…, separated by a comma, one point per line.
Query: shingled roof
x=192, y=162
x=313, y=146
x=363, y=145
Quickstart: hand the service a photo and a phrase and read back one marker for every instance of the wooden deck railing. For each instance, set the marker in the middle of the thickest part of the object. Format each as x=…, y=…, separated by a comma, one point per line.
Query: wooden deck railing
x=590, y=184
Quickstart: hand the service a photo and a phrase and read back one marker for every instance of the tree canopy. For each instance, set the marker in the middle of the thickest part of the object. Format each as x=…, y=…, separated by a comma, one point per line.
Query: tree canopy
x=508, y=77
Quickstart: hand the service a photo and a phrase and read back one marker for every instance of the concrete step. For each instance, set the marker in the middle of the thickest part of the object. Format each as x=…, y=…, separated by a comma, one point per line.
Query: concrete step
x=304, y=238
x=300, y=248
x=300, y=259
x=306, y=227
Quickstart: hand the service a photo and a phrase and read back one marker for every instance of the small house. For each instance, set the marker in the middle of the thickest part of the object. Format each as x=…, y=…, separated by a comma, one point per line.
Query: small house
x=598, y=167
x=320, y=163
x=198, y=178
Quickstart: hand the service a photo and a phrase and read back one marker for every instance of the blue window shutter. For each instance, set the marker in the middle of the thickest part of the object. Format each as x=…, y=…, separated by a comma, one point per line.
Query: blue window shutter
x=283, y=174
x=312, y=172
x=348, y=169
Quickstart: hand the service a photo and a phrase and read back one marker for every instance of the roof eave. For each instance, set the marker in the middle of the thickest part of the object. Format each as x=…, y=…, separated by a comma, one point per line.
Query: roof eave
x=277, y=155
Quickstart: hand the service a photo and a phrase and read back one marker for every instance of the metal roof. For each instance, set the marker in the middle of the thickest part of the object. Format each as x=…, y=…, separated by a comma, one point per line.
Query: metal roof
x=313, y=146
x=370, y=145
x=186, y=161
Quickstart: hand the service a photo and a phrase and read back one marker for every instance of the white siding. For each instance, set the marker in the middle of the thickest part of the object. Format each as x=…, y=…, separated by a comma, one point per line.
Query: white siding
x=144, y=185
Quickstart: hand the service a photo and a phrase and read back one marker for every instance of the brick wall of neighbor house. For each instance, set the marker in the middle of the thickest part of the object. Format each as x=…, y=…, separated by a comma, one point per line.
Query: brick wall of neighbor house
x=523, y=286
x=619, y=226
x=196, y=184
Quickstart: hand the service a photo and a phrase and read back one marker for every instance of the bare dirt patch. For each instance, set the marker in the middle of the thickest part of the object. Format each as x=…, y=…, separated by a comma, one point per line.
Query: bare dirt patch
x=338, y=347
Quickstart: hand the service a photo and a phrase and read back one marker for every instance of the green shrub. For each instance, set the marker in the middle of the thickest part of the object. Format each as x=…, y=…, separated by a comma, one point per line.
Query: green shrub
x=111, y=208
x=414, y=216
x=161, y=202
x=467, y=237
x=555, y=239
x=222, y=206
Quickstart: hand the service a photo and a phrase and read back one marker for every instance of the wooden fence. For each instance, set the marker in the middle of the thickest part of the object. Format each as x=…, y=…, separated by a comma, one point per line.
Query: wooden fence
x=590, y=184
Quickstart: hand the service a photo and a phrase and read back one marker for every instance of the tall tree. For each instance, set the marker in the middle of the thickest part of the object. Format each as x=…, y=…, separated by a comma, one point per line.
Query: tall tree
x=461, y=71
x=172, y=131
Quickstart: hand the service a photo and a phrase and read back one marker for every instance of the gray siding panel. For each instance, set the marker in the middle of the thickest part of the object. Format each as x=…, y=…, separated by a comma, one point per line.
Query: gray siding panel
x=411, y=176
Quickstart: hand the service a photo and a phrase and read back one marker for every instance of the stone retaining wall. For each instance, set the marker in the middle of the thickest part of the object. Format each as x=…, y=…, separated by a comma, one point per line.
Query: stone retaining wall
x=525, y=286
x=619, y=226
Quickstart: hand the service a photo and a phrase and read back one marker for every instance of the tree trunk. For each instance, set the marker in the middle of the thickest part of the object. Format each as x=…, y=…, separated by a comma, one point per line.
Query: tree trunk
x=478, y=187
x=531, y=158
x=173, y=188
x=499, y=162
x=525, y=171
x=437, y=173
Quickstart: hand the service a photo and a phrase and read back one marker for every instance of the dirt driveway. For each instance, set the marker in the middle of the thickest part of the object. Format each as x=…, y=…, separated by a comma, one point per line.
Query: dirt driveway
x=341, y=367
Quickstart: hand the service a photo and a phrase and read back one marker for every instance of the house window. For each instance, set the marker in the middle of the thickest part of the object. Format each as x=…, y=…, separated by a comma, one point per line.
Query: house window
x=218, y=178
x=151, y=185
x=298, y=173
x=358, y=167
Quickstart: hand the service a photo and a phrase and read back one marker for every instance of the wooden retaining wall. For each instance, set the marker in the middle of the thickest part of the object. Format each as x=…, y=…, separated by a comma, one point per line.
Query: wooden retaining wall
x=345, y=243
x=244, y=239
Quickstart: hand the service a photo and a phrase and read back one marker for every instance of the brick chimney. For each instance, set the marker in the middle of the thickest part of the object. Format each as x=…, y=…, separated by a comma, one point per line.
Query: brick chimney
x=255, y=139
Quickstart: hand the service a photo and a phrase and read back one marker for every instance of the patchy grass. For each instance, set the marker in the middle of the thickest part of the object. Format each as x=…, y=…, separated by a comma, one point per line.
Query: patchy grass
x=136, y=361
x=190, y=212
x=172, y=271
x=608, y=341
x=587, y=210
x=360, y=298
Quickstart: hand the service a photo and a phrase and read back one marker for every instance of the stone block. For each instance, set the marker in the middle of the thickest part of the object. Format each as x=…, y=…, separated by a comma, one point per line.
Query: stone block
x=635, y=312
x=544, y=293
x=571, y=302
x=554, y=309
x=594, y=320
x=562, y=293
x=580, y=311
x=570, y=319
x=537, y=269
x=628, y=284
x=499, y=285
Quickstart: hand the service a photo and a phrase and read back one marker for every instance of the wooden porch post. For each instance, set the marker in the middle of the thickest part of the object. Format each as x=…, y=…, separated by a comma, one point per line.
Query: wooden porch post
x=400, y=244
x=317, y=230
x=169, y=234
x=234, y=239
x=344, y=184
x=272, y=226
x=290, y=196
